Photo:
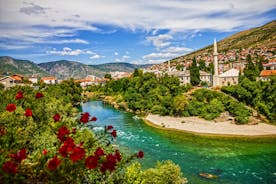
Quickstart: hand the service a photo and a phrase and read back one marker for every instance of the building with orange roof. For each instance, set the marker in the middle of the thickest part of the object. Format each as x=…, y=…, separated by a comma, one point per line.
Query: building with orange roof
x=49, y=80
x=266, y=74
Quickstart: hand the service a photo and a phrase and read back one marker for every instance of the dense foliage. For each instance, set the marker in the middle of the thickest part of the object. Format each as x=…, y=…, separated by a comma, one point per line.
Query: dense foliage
x=194, y=73
x=252, y=70
x=210, y=104
x=259, y=94
x=147, y=93
x=42, y=141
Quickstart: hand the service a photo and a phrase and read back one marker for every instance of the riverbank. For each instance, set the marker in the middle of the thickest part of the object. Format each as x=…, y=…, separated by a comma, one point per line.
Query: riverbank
x=200, y=126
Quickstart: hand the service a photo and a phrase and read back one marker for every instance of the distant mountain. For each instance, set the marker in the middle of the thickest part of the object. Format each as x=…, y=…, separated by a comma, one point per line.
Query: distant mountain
x=70, y=69
x=10, y=65
x=121, y=67
x=264, y=36
x=64, y=69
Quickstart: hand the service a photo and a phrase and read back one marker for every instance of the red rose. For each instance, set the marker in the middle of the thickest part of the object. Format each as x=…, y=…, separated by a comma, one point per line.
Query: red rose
x=140, y=154
x=118, y=155
x=91, y=162
x=93, y=118
x=44, y=152
x=56, y=117
x=77, y=154
x=39, y=95
x=99, y=152
x=67, y=147
x=114, y=133
x=109, y=164
x=28, y=112
x=62, y=133
x=9, y=167
x=109, y=127
x=11, y=107
x=19, y=95
x=20, y=155
x=54, y=163
x=85, y=117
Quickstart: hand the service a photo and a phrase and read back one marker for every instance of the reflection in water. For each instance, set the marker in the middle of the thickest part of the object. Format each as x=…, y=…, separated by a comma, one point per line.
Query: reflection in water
x=233, y=160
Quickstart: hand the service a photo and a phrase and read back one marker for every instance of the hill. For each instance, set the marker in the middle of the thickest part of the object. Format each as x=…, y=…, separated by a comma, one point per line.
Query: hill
x=64, y=69
x=263, y=36
x=121, y=67
x=71, y=69
x=10, y=65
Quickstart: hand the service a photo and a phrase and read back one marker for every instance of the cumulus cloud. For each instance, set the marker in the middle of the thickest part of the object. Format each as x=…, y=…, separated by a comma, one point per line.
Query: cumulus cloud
x=166, y=54
x=160, y=40
x=116, y=53
x=96, y=56
x=66, y=51
x=122, y=59
x=173, y=15
x=183, y=50
x=33, y=9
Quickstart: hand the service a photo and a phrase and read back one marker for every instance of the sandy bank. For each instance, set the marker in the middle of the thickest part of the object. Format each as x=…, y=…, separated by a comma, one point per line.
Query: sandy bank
x=198, y=125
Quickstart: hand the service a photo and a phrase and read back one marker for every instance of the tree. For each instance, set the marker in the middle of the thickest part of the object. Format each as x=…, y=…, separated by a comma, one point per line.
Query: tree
x=251, y=71
x=194, y=73
x=137, y=72
x=107, y=76
x=179, y=104
x=202, y=65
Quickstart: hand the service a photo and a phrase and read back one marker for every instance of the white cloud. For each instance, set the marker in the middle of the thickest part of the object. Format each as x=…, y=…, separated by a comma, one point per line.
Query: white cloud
x=166, y=54
x=182, y=50
x=122, y=59
x=160, y=40
x=159, y=55
x=66, y=51
x=96, y=56
x=172, y=15
x=116, y=53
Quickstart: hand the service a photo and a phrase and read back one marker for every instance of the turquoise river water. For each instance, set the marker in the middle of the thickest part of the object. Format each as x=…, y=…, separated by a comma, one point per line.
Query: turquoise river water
x=234, y=160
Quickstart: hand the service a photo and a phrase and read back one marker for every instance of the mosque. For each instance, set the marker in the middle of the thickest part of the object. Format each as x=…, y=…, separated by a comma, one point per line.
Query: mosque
x=229, y=77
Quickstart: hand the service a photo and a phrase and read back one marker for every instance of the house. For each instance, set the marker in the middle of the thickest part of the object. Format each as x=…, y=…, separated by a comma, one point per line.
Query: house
x=266, y=74
x=119, y=75
x=184, y=76
x=84, y=82
x=8, y=81
x=17, y=78
x=33, y=79
x=49, y=80
x=230, y=77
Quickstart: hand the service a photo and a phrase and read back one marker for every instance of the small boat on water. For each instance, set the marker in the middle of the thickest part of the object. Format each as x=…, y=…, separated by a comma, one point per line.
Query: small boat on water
x=208, y=175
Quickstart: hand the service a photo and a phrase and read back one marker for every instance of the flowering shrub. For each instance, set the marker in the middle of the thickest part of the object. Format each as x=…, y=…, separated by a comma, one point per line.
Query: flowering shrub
x=42, y=141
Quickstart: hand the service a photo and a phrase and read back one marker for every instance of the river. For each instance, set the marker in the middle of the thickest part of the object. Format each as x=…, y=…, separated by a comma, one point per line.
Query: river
x=234, y=160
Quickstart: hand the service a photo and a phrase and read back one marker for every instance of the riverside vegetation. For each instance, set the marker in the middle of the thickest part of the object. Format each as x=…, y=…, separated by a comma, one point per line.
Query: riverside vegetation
x=42, y=140
x=146, y=93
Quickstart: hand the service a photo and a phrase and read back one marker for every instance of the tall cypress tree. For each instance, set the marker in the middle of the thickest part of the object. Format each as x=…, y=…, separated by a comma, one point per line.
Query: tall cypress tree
x=194, y=73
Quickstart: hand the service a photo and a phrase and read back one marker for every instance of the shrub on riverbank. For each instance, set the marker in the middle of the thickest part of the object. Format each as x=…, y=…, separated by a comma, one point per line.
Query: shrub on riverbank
x=42, y=141
x=259, y=94
x=210, y=104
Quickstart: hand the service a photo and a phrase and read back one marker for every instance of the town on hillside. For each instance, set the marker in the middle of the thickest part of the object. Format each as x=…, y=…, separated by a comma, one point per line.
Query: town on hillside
x=217, y=69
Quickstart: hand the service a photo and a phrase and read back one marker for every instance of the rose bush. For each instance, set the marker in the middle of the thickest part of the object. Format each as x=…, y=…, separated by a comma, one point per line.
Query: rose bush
x=42, y=141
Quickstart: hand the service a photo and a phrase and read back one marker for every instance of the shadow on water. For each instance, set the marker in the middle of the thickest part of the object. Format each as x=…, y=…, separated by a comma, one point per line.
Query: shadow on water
x=233, y=160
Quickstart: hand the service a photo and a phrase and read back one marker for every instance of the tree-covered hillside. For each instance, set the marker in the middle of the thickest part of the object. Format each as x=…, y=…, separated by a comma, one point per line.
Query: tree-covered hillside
x=10, y=65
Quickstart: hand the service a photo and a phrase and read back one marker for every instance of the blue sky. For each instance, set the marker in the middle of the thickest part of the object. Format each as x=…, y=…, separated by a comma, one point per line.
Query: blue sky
x=140, y=32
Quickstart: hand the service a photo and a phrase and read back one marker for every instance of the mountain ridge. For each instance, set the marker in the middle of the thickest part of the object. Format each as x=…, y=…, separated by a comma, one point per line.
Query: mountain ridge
x=62, y=69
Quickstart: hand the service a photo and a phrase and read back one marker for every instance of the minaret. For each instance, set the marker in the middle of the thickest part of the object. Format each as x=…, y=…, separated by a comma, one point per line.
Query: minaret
x=215, y=77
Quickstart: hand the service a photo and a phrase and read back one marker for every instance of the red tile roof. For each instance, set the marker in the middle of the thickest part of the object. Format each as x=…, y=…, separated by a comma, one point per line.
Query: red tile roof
x=266, y=73
x=48, y=78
